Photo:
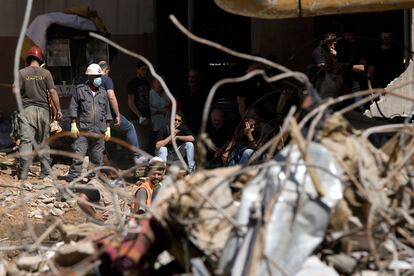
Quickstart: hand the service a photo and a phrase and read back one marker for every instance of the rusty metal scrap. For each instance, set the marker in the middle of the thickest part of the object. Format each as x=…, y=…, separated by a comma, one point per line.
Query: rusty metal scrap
x=273, y=9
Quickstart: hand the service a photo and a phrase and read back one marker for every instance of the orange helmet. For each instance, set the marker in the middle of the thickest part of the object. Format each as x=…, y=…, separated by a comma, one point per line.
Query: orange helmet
x=35, y=52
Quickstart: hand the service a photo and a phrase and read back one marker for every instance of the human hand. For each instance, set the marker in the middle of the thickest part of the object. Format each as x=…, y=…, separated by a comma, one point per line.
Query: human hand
x=117, y=121
x=248, y=129
x=58, y=115
x=101, y=216
x=107, y=134
x=74, y=131
x=358, y=68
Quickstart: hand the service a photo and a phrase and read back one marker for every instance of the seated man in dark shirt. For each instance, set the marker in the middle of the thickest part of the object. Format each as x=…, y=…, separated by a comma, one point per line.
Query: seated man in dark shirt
x=250, y=138
x=184, y=138
x=220, y=134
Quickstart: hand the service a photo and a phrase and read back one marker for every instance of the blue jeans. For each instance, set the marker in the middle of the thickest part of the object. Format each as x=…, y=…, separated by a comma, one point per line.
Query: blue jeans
x=128, y=129
x=240, y=156
x=187, y=147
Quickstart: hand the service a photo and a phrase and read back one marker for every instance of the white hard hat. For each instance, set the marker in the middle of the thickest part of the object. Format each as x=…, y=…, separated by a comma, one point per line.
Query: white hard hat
x=157, y=162
x=93, y=69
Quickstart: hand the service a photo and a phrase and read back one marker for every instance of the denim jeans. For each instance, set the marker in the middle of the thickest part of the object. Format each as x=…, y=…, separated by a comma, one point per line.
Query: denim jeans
x=129, y=134
x=187, y=147
x=240, y=156
x=144, y=135
x=35, y=128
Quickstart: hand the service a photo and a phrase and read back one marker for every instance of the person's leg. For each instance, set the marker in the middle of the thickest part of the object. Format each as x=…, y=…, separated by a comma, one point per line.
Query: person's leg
x=189, y=150
x=96, y=149
x=80, y=147
x=43, y=132
x=128, y=129
x=247, y=153
x=28, y=131
x=144, y=133
x=163, y=153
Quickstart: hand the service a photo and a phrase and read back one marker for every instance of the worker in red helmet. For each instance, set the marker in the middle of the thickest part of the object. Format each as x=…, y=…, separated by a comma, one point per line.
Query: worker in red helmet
x=36, y=86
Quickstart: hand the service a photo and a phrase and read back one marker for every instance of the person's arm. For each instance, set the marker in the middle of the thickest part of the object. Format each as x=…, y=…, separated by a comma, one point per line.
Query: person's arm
x=185, y=138
x=184, y=134
x=89, y=210
x=163, y=142
x=113, y=102
x=56, y=103
x=132, y=106
x=73, y=105
x=241, y=103
x=141, y=200
x=248, y=131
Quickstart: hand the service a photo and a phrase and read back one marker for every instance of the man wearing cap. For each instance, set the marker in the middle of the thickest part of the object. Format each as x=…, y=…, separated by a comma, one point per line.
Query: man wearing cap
x=36, y=85
x=89, y=112
x=145, y=193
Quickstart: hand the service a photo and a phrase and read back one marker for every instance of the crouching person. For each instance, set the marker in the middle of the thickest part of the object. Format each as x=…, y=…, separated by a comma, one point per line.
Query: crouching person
x=94, y=192
x=147, y=190
x=90, y=112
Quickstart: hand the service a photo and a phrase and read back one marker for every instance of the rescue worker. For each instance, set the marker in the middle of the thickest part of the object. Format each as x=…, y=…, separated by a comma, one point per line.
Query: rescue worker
x=89, y=112
x=36, y=85
x=147, y=190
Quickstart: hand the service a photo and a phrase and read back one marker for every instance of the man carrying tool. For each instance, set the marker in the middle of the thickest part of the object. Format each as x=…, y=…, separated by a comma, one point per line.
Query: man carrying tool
x=36, y=85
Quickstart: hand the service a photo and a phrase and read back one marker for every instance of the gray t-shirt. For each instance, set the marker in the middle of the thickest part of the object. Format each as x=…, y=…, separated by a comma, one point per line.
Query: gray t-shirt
x=34, y=84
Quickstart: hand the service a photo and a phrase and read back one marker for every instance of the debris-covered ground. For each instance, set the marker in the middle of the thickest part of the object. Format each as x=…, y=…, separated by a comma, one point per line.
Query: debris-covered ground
x=347, y=209
x=326, y=203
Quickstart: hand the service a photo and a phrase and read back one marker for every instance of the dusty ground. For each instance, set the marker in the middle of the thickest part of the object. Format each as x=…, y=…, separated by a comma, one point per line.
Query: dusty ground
x=40, y=209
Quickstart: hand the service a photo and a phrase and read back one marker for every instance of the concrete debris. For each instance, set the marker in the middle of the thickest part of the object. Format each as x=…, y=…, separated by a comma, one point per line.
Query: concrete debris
x=313, y=266
x=48, y=200
x=71, y=254
x=29, y=263
x=343, y=263
x=56, y=212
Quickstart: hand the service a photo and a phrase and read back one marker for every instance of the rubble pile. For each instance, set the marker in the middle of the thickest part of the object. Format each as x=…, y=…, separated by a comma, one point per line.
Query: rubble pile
x=354, y=215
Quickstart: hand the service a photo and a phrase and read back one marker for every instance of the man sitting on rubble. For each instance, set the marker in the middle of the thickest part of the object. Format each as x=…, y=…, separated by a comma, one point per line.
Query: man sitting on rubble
x=148, y=189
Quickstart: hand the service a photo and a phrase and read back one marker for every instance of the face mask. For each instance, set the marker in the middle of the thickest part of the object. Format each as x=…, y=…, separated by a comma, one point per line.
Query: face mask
x=97, y=82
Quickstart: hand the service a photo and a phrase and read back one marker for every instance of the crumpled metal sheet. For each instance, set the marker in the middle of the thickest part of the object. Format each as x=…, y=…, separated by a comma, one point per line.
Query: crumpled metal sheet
x=182, y=205
x=282, y=218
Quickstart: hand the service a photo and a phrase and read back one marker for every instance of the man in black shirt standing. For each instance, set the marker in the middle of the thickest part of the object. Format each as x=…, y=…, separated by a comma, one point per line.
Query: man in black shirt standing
x=138, y=103
x=387, y=61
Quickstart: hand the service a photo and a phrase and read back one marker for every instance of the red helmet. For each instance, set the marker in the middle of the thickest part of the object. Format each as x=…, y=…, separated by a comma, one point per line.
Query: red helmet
x=35, y=52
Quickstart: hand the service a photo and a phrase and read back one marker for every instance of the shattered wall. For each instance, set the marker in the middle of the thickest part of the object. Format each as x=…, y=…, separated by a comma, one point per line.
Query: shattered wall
x=390, y=106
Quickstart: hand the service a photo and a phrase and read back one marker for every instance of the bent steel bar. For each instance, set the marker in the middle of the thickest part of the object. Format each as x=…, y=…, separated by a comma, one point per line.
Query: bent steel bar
x=272, y=9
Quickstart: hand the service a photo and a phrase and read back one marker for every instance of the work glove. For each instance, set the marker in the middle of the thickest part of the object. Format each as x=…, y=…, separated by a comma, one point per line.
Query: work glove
x=74, y=131
x=107, y=134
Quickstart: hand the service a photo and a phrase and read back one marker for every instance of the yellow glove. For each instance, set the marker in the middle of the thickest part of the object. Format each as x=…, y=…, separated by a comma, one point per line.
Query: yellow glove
x=74, y=131
x=107, y=134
